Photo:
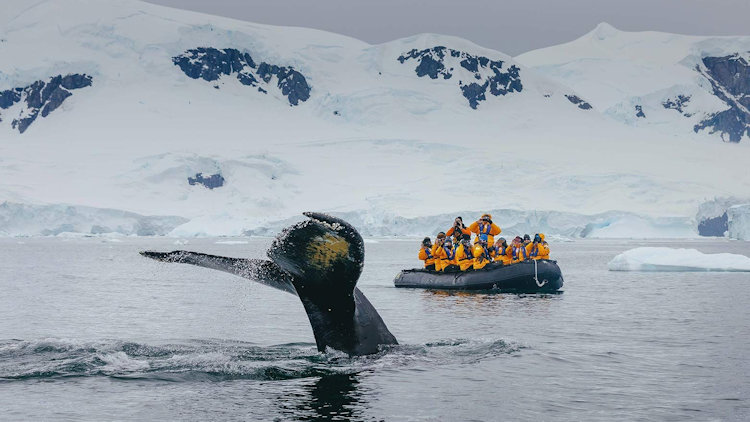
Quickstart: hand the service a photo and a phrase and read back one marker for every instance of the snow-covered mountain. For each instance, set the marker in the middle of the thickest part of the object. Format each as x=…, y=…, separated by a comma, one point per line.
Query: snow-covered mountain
x=668, y=82
x=124, y=105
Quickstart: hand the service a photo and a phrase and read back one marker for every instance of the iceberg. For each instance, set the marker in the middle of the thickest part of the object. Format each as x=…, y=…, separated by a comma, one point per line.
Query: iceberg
x=670, y=259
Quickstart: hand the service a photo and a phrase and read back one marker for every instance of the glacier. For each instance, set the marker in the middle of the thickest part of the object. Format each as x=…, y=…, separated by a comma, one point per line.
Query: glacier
x=53, y=220
x=738, y=222
x=671, y=259
x=370, y=136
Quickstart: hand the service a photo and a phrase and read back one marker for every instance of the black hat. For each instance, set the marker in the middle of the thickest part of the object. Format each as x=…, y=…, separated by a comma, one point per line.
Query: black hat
x=426, y=241
x=526, y=237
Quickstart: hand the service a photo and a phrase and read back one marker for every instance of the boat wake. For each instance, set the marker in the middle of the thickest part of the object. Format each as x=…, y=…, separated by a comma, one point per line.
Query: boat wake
x=221, y=360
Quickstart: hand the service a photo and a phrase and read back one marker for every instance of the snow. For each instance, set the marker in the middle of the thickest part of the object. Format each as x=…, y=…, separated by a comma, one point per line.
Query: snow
x=670, y=259
x=641, y=68
x=738, y=219
x=374, y=142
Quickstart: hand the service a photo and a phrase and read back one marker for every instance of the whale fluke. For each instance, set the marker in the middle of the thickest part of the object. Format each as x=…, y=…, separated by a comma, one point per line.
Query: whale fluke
x=320, y=260
x=262, y=271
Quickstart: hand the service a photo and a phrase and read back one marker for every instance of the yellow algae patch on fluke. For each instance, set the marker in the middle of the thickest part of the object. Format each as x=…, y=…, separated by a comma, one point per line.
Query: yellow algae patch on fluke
x=323, y=251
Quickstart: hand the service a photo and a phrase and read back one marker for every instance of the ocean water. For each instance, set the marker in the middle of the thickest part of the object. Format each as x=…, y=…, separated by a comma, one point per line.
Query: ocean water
x=90, y=330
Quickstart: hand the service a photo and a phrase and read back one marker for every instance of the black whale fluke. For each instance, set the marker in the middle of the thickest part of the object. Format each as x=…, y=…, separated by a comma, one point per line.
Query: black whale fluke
x=319, y=260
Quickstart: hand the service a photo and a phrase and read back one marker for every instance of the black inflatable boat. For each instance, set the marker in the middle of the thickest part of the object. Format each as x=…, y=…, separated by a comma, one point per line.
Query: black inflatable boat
x=542, y=276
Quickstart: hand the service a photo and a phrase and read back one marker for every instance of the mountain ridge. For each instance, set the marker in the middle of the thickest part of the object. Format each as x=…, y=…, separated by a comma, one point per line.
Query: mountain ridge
x=376, y=133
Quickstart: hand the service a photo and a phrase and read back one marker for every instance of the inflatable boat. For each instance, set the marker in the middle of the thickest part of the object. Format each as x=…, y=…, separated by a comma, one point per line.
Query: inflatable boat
x=534, y=276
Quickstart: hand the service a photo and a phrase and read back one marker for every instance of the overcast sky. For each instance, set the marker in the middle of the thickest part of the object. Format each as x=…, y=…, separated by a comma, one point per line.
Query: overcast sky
x=512, y=27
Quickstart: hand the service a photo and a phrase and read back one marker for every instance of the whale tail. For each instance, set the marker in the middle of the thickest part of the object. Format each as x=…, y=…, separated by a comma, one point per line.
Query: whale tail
x=319, y=260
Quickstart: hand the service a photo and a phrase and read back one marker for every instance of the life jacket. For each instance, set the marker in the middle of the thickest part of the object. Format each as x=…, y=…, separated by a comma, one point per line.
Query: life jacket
x=451, y=253
x=484, y=231
x=522, y=250
x=426, y=254
x=467, y=253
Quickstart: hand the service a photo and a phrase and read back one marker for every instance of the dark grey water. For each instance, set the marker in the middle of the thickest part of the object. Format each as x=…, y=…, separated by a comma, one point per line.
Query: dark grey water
x=89, y=330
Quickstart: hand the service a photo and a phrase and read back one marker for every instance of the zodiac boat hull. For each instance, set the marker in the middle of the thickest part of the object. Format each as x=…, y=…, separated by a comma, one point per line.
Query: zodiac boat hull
x=542, y=276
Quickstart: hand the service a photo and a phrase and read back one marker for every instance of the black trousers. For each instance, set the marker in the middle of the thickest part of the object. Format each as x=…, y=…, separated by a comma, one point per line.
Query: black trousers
x=430, y=267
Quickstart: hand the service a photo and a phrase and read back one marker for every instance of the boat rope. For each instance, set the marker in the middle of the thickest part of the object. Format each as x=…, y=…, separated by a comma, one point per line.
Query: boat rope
x=536, y=276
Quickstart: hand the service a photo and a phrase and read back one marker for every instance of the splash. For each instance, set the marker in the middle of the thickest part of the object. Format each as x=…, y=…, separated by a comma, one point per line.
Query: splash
x=219, y=360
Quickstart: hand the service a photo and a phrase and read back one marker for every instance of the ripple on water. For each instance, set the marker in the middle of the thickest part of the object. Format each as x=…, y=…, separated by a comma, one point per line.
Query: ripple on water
x=221, y=360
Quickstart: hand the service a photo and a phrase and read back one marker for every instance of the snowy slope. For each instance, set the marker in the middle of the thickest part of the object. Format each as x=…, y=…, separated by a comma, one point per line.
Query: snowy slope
x=667, y=82
x=293, y=119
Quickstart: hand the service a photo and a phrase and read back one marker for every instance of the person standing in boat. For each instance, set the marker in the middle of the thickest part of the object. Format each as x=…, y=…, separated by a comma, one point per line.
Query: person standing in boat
x=485, y=229
x=425, y=254
x=502, y=252
x=464, y=254
x=538, y=249
x=447, y=257
x=458, y=230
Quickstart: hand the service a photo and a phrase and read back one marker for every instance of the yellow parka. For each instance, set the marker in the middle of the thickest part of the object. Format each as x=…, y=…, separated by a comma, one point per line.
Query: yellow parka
x=480, y=259
x=435, y=260
x=442, y=256
x=489, y=229
x=425, y=255
x=503, y=254
x=465, y=260
x=539, y=250
x=518, y=253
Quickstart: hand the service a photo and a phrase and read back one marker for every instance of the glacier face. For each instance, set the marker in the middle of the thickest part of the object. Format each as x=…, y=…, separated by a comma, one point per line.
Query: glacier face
x=50, y=220
x=348, y=127
x=738, y=222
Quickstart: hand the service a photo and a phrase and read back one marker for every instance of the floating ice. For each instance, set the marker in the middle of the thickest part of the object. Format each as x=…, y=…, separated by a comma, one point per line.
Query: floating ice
x=669, y=259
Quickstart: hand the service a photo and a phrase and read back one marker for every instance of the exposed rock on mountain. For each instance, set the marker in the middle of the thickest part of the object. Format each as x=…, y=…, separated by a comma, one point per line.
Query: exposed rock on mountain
x=483, y=73
x=210, y=64
x=40, y=97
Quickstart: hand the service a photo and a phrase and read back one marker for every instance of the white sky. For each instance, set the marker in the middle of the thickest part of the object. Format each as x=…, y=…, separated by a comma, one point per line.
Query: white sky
x=510, y=26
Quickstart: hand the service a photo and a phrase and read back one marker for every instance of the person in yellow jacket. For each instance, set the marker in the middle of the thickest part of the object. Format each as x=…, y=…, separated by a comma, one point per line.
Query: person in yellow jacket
x=538, y=249
x=436, y=249
x=425, y=254
x=447, y=257
x=485, y=229
x=518, y=250
x=481, y=255
x=465, y=254
x=502, y=252
x=458, y=230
